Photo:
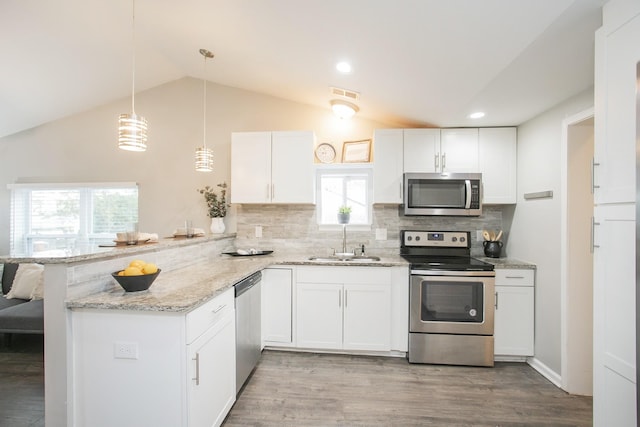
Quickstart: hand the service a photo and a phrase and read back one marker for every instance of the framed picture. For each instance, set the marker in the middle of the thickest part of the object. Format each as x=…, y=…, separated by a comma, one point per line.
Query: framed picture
x=356, y=151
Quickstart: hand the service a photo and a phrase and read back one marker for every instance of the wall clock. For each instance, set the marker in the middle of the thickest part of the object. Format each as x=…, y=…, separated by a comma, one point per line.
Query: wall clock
x=325, y=153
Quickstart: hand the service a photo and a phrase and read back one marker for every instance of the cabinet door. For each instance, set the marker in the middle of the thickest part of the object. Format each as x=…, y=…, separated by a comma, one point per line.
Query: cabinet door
x=251, y=167
x=212, y=373
x=422, y=150
x=459, y=150
x=387, y=166
x=319, y=315
x=514, y=321
x=497, y=152
x=367, y=317
x=614, y=316
x=618, y=53
x=292, y=168
x=276, y=306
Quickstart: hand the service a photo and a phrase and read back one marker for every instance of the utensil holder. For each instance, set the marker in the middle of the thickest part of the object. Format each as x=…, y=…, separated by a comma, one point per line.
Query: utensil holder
x=492, y=249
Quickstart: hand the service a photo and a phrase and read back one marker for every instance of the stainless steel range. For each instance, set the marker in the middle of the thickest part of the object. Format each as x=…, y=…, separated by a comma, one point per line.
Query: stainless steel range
x=451, y=300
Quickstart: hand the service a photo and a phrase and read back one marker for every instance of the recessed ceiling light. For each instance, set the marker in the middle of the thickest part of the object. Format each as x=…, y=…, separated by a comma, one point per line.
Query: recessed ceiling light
x=343, y=67
x=476, y=115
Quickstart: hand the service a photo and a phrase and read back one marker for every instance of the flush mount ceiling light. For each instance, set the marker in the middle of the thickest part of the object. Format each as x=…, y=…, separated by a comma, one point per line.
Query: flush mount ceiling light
x=132, y=129
x=343, y=109
x=476, y=115
x=343, y=67
x=204, y=155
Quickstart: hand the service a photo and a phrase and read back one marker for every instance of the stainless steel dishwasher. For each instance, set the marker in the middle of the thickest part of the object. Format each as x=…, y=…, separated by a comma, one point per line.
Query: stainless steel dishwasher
x=248, y=332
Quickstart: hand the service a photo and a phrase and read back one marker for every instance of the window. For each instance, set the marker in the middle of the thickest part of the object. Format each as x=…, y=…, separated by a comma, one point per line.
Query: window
x=48, y=217
x=338, y=186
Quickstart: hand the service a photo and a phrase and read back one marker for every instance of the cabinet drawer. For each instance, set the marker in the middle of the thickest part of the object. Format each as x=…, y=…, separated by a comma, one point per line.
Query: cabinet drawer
x=202, y=318
x=515, y=277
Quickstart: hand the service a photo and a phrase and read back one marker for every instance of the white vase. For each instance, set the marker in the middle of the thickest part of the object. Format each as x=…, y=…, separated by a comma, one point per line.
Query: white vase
x=217, y=225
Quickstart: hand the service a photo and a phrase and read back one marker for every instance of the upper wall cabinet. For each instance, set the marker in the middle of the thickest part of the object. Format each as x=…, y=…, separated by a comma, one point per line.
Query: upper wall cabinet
x=387, y=166
x=421, y=150
x=497, y=160
x=458, y=150
x=616, y=76
x=272, y=167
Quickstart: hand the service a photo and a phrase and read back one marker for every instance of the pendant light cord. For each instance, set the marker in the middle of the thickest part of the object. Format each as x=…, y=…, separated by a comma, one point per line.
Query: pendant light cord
x=133, y=57
x=204, y=105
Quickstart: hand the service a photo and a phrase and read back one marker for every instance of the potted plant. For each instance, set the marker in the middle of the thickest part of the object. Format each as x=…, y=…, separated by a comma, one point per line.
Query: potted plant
x=344, y=213
x=217, y=206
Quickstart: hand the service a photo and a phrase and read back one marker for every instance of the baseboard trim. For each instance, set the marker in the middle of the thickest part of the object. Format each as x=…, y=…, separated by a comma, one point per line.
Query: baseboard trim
x=545, y=371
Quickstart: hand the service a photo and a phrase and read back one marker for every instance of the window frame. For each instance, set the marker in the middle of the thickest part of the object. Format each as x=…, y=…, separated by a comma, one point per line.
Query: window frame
x=344, y=169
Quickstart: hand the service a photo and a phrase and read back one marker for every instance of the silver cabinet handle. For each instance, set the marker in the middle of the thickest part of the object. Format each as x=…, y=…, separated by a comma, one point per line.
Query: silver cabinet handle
x=401, y=195
x=197, y=360
x=444, y=161
x=345, y=298
x=593, y=233
x=593, y=175
x=436, y=159
x=496, y=304
x=217, y=310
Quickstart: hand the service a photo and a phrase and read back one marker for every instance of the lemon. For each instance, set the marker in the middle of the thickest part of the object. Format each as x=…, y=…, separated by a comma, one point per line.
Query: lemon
x=149, y=268
x=132, y=271
x=137, y=263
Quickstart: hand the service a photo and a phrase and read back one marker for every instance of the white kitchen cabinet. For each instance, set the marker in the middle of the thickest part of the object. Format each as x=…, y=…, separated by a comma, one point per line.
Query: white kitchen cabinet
x=272, y=167
x=616, y=72
x=497, y=163
x=344, y=308
x=614, y=316
x=459, y=150
x=514, y=312
x=277, y=292
x=421, y=150
x=387, y=166
x=157, y=368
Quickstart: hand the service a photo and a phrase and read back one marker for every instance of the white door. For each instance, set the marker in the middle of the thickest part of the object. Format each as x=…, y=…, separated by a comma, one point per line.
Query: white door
x=422, y=150
x=319, y=315
x=276, y=305
x=497, y=163
x=292, y=168
x=513, y=322
x=250, y=167
x=367, y=317
x=459, y=150
x=212, y=374
x=387, y=166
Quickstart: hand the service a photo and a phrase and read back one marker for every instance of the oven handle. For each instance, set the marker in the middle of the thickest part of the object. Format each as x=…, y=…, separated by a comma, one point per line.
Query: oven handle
x=468, y=273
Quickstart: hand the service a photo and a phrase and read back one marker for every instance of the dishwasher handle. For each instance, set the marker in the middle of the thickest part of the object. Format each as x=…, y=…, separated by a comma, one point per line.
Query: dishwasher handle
x=245, y=284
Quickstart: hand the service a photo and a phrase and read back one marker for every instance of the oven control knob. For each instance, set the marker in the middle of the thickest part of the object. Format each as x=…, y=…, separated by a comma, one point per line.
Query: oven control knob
x=409, y=238
x=454, y=239
x=462, y=239
x=417, y=238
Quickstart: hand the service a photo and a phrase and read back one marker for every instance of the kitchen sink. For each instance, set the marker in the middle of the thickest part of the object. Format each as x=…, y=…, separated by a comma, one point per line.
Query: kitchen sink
x=344, y=259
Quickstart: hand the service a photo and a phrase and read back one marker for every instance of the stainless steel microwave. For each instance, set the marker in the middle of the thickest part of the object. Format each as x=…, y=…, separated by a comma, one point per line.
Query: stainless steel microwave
x=452, y=194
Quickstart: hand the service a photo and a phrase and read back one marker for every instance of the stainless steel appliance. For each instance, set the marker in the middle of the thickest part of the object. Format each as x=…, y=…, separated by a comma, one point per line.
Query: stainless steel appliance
x=455, y=194
x=451, y=299
x=248, y=332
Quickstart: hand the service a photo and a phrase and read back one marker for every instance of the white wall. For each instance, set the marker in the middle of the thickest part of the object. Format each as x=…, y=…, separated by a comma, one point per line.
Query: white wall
x=535, y=229
x=83, y=147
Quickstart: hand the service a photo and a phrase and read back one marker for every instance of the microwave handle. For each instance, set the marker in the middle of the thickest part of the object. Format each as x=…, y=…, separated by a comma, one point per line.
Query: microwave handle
x=467, y=184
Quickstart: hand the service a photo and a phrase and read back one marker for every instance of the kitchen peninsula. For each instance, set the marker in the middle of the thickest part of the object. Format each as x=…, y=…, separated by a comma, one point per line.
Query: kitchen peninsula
x=193, y=272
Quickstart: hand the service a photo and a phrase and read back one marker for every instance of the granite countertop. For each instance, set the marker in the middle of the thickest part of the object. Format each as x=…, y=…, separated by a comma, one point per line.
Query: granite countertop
x=184, y=289
x=503, y=263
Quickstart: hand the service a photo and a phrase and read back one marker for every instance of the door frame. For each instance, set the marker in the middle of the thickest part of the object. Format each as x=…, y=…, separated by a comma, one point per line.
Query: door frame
x=564, y=241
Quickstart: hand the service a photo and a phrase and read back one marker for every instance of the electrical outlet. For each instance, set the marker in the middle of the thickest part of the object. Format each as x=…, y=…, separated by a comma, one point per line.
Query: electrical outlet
x=125, y=350
x=381, y=234
x=258, y=231
x=479, y=237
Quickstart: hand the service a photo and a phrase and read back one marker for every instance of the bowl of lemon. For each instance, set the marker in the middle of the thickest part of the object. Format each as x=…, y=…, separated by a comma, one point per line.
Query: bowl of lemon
x=138, y=276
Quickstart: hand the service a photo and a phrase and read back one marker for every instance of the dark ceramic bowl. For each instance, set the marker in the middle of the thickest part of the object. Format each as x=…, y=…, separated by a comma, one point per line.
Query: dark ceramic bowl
x=135, y=283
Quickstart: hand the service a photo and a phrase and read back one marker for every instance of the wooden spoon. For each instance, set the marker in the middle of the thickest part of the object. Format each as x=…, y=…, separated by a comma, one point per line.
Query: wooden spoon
x=486, y=235
x=499, y=235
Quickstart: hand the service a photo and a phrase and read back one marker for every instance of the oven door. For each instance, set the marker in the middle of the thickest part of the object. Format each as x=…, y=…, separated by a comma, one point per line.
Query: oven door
x=452, y=303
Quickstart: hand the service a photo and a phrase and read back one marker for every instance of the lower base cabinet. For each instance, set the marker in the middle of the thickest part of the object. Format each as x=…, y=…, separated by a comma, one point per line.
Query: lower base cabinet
x=343, y=308
x=277, y=303
x=158, y=369
x=514, y=312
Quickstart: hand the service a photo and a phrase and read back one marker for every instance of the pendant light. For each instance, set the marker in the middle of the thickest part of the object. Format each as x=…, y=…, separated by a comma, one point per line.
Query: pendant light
x=204, y=155
x=132, y=129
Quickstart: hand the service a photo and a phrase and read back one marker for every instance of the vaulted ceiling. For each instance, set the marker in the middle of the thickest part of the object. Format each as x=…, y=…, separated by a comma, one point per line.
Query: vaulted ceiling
x=414, y=62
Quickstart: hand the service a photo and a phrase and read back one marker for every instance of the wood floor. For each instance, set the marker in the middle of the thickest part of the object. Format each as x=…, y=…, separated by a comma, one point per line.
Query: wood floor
x=305, y=389
x=22, y=381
